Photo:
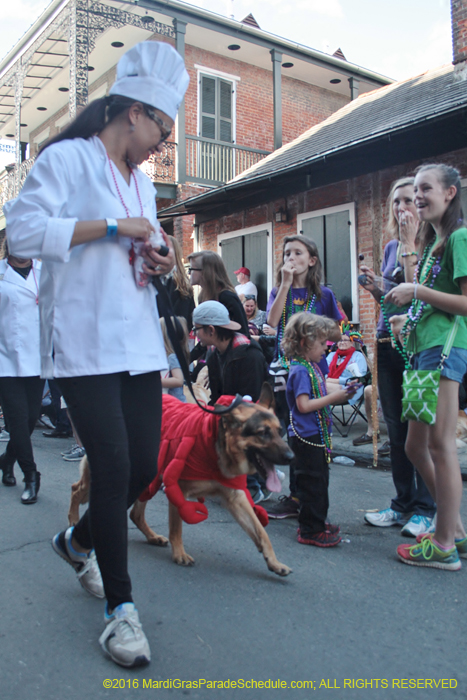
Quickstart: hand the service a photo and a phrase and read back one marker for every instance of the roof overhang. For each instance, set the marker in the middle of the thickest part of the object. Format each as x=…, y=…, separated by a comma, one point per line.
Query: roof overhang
x=413, y=141
x=209, y=20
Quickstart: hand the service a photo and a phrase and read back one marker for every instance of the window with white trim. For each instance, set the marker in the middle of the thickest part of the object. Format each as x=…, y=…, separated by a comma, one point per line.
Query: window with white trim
x=216, y=108
x=333, y=231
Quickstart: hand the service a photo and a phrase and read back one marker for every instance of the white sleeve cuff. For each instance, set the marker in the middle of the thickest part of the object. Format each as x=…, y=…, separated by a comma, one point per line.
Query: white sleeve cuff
x=57, y=239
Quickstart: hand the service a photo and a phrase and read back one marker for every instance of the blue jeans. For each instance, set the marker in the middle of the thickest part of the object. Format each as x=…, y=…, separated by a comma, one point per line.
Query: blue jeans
x=411, y=491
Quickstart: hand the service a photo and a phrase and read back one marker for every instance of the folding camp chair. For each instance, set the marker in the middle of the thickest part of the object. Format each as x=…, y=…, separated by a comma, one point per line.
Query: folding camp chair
x=345, y=415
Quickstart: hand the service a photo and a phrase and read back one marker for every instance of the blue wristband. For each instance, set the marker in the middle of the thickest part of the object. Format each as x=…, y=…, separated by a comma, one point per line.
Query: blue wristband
x=112, y=227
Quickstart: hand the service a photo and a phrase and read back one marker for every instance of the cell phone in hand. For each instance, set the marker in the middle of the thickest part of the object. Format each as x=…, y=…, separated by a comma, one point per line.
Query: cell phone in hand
x=370, y=286
x=353, y=386
x=364, y=280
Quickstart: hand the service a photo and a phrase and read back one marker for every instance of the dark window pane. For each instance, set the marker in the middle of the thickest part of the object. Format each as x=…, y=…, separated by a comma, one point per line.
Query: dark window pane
x=208, y=128
x=232, y=256
x=208, y=95
x=314, y=229
x=226, y=131
x=338, y=273
x=226, y=100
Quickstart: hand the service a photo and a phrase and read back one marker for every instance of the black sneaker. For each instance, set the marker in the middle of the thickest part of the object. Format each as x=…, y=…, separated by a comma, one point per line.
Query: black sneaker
x=285, y=507
x=384, y=450
x=320, y=539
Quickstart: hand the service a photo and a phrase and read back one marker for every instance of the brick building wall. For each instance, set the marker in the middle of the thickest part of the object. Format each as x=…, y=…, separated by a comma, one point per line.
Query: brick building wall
x=303, y=105
x=368, y=192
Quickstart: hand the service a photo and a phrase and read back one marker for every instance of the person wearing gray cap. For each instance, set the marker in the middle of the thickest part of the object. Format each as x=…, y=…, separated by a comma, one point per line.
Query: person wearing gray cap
x=83, y=209
x=237, y=365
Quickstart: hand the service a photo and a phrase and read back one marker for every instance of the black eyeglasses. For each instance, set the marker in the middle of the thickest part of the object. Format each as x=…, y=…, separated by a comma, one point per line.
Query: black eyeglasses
x=195, y=329
x=194, y=269
x=165, y=131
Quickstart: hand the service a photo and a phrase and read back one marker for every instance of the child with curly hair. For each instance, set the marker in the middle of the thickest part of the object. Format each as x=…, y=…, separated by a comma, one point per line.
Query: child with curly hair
x=309, y=427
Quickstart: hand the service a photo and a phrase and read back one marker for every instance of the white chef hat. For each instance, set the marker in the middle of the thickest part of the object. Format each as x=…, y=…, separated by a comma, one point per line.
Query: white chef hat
x=154, y=73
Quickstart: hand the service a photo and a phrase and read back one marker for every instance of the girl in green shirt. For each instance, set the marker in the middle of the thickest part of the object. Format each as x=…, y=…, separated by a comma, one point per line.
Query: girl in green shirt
x=440, y=291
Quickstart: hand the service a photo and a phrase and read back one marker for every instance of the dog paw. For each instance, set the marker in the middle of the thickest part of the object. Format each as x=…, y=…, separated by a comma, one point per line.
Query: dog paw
x=158, y=541
x=280, y=569
x=183, y=559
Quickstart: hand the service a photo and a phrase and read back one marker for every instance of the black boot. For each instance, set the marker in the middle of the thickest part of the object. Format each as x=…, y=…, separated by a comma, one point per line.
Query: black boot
x=32, y=482
x=8, y=478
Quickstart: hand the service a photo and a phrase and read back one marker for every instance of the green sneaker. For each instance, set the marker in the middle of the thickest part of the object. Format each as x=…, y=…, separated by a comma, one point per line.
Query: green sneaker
x=426, y=553
x=461, y=546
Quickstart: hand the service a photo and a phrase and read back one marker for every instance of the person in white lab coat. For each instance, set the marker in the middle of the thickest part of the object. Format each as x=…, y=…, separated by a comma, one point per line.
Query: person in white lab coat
x=20, y=383
x=83, y=208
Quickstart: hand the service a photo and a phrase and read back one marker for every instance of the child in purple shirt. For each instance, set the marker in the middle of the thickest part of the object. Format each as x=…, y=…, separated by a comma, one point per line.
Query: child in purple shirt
x=309, y=427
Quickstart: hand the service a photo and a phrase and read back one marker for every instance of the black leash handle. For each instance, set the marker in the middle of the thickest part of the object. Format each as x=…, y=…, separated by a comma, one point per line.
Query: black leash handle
x=175, y=331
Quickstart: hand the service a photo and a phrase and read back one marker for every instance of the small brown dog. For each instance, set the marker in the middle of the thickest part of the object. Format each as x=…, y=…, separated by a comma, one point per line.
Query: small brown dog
x=209, y=455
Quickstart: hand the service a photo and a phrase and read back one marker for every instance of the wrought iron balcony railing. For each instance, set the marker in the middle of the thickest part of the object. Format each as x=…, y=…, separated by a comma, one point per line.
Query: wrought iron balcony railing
x=209, y=162
x=216, y=162
x=161, y=167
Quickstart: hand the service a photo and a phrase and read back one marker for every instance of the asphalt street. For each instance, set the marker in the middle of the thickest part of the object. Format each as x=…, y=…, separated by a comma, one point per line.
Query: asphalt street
x=348, y=617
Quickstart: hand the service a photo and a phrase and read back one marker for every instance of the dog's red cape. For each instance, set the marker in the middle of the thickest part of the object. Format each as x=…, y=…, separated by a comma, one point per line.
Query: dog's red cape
x=188, y=451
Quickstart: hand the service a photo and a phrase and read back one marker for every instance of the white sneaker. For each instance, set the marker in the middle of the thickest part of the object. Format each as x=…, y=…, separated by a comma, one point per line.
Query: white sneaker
x=4, y=435
x=65, y=453
x=75, y=455
x=386, y=518
x=85, y=565
x=417, y=525
x=123, y=638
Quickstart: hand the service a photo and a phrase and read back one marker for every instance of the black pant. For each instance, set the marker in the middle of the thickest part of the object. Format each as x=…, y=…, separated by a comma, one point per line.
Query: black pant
x=311, y=472
x=118, y=419
x=411, y=491
x=21, y=402
x=62, y=422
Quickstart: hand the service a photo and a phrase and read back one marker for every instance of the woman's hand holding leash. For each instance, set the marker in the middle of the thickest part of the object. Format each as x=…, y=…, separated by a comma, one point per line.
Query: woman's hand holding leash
x=161, y=260
x=135, y=227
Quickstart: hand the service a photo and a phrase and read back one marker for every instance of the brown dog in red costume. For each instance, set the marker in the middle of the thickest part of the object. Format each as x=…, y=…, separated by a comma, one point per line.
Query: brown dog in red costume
x=204, y=454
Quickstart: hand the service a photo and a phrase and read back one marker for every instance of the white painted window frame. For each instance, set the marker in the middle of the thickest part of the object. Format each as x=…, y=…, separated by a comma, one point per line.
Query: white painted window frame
x=350, y=207
x=234, y=79
x=245, y=232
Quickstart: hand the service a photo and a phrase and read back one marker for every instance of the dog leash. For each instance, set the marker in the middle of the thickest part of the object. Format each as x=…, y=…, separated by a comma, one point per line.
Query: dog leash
x=175, y=332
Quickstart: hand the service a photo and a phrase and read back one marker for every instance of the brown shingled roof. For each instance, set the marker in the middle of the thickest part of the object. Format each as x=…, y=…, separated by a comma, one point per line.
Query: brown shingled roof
x=373, y=113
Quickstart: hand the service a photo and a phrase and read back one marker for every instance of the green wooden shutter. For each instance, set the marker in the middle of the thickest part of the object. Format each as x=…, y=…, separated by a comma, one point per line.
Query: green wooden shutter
x=208, y=107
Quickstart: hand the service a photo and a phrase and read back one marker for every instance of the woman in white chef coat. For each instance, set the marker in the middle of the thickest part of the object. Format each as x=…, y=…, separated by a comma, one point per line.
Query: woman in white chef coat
x=82, y=208
x=20, y=383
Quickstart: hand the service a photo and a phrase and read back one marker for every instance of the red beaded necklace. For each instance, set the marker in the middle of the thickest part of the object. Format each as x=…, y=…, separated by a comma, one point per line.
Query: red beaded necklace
x=127, y=211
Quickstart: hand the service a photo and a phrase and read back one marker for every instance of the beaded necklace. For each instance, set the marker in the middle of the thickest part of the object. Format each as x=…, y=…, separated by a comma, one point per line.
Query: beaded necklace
x=426, y=272
x=288, y=311
x=127, y=211
x=318, y=389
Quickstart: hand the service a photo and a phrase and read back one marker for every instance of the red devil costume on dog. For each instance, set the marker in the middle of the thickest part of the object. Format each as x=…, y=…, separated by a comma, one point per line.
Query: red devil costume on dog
x=188, y=451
